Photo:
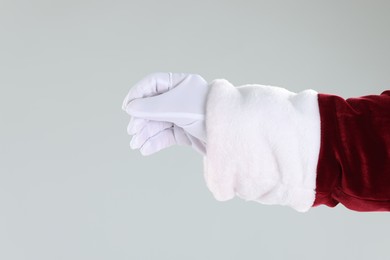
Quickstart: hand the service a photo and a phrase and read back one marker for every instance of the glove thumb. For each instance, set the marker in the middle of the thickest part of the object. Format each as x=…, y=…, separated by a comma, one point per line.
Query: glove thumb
x=179, y=105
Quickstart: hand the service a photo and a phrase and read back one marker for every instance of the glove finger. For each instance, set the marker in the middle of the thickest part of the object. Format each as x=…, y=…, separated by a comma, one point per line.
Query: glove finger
x=150, y=85
x=136, y=124
x=156, y=143
x=181, y=136
x=151, y=129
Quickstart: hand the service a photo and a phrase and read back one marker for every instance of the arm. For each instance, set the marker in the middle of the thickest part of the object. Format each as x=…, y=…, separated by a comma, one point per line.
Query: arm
x=268, y=144
x=354, y=163
x=273, y=146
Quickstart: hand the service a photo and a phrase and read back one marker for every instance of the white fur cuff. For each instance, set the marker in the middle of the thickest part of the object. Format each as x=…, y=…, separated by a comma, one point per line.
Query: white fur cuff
x=262, y=144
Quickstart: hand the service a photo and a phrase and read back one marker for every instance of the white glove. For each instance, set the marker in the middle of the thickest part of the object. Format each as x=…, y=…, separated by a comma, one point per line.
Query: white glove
x=167, y=109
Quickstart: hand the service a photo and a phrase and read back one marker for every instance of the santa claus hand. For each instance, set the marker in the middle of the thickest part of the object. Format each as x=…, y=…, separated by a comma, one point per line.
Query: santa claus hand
x=167, y=109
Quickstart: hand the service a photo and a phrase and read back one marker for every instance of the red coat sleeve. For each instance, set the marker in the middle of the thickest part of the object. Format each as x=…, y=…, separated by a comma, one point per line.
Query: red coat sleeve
x=354, y=160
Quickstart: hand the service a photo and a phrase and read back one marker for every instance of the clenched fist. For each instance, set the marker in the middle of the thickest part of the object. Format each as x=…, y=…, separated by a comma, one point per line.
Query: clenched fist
x=167, y=109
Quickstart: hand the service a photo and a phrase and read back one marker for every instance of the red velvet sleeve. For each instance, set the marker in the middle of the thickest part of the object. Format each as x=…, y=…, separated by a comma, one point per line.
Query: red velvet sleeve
x=354, y=160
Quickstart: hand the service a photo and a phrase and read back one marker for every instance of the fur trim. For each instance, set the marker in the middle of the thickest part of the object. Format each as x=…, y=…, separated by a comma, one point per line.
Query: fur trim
x=262, y=144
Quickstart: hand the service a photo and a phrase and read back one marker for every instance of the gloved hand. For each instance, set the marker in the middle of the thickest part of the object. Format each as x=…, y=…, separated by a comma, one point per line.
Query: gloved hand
x=167, y=109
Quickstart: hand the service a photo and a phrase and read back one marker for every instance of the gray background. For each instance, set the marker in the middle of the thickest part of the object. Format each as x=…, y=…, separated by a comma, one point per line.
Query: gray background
x=70, y=186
